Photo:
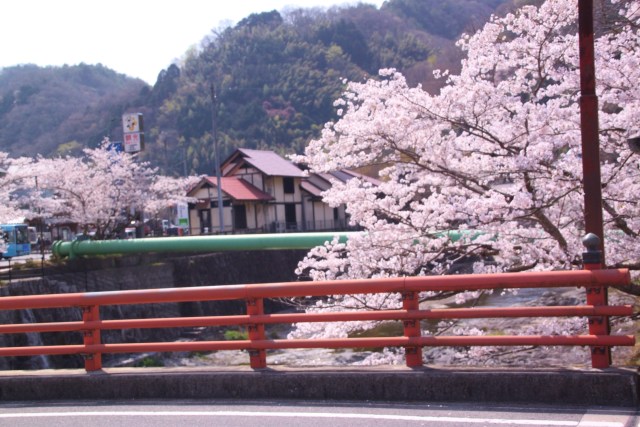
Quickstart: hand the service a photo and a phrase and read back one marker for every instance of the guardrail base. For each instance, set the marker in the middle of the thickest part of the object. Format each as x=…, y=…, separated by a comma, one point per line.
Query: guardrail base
x=616, y=387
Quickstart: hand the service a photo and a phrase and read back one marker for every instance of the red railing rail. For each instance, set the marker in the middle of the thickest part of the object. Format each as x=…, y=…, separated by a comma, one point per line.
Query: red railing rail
x=594, y=281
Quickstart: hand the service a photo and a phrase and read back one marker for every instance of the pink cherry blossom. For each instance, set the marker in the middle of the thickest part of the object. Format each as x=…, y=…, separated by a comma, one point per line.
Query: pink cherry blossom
x=495, y=156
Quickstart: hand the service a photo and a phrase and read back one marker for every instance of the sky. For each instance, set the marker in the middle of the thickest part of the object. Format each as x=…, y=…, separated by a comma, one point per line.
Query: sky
x=138, y=38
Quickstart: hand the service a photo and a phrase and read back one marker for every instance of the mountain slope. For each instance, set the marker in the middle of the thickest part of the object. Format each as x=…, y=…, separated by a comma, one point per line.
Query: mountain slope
x=44, y=110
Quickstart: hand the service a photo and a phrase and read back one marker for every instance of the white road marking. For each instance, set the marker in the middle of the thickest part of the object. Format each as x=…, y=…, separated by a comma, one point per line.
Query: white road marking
x=527, y=422
x=595, y=416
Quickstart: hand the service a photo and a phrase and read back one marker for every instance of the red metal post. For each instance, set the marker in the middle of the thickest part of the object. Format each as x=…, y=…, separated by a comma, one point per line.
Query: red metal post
x=413, y=354
x=257, y=357
x=596, y=296
x=594, y=257
x=93, y=361
x=589, y=125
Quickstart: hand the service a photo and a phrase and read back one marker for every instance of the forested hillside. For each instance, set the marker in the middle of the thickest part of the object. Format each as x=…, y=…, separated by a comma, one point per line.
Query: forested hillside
x=57, y=110
x=275, y=75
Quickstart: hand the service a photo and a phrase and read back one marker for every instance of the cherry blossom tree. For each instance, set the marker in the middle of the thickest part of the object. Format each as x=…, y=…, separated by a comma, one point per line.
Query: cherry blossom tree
x=11, y=175
x=11, y=171
x=103, y=192
x=168, y=191
x=489, y=170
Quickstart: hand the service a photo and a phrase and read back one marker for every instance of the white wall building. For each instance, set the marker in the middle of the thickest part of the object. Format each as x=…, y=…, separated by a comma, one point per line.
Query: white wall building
x=265, y=193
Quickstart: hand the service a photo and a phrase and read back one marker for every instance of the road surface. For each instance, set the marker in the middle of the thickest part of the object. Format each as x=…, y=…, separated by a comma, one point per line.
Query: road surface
x=308, y=414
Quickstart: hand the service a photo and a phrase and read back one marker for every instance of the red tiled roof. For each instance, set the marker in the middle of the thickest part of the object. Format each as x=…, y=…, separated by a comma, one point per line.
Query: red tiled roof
x=241, y=190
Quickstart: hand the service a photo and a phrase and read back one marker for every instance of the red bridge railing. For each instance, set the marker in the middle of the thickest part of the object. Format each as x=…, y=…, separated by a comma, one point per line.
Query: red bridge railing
x=597, y=311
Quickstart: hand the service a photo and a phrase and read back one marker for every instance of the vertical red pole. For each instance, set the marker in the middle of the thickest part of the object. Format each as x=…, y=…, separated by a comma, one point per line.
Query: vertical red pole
x=589, y=125
x=257, y=358
x=596, y=296
x=412, y=329
x=92, y=361
x=594, y=257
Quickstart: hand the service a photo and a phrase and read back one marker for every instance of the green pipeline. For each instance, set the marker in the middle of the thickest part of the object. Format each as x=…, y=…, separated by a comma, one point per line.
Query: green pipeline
x=217, y=243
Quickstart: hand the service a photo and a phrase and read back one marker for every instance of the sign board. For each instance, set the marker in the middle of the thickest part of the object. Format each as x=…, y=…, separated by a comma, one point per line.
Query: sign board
x=133, y=142
x=116, y=146
x=133, y=130
x=182, y=215
x=132, y=123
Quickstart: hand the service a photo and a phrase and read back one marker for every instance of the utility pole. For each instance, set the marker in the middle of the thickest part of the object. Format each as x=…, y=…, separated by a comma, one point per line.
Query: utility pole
x=216, y=152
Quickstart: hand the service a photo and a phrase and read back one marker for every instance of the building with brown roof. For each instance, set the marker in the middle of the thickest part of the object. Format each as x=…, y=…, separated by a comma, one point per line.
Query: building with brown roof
x=264, y=193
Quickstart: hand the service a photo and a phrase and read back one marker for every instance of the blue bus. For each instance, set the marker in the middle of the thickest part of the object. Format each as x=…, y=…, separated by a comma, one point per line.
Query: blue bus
x=16, y=240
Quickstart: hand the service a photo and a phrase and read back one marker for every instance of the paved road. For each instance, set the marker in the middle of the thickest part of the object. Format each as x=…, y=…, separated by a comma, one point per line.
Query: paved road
x=308, y=414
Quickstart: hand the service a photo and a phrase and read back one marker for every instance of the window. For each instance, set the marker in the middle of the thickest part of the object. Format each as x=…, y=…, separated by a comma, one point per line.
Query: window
x=225, y=203
x=239, y=217
x=287, y=183
x=290, y=216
